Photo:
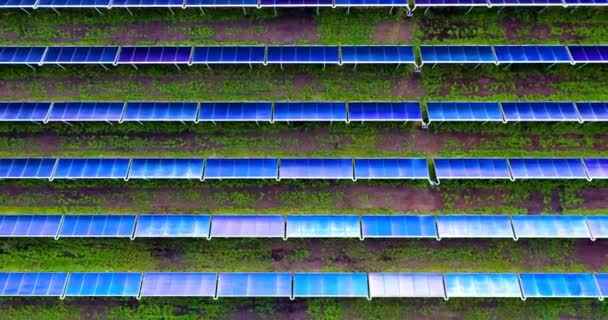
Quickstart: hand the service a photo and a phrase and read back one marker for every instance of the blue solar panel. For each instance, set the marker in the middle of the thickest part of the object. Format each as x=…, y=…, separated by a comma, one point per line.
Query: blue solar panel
x=235, y=111
x=81, y=168
x=254, y=284
x=371, y=3
x=414, y=168
x=597, y=168
x=333, y=285
x=21, y=55
x=316, y=169
x=550, y=226
x=450, y=3
x=406, y=285
x=377, y=54
x=24, y=111
x=598, y=226
x=470, y=168
x=384, y=111
x=27, y=4
x=602, y=283
x=315, y=226
x=29, y=225
x=296, y=3
x=27, y=168
x=303, y=54
x=547, y=168
x=160, y=111
x=229, y=54
x=179, y=284
x=111, y=226
x=524, y=3
x=457, y=54
x=73, y=4
x=81, y=55
x=103, y=284
x=593, y=3
x=310, y=111
x=32, y=284
x=532, y=54
x=173, y=226
x=589, y=54
x=593, y=111
x=245, y=226
x=464, y=111
x=482, y=285
x=86, y=111
x=241, y=169
x=147, y=3
x=398, y=226
x=166, y=168
x=556, y=285
x=154, y=55
x=474, y=226
x=221, y=3
x=540, y=111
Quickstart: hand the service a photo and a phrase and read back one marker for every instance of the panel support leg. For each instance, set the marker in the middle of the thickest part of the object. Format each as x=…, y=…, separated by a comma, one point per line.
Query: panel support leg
x=244, y=11
x=23, y=9
x=103, y=66
x=471, y=8
x=172, y=13
x=202, y=10
x=390, y=12
x=129, y=11
x=582, y=65
x=98, y=11
x=134, y=66
x=427, y=10
x=500, y=10
x=208, y=66
x=178, y=68
x=56, y=11
x=32, y=67
x=60, y=66
x=317, y=10
x=348, y=10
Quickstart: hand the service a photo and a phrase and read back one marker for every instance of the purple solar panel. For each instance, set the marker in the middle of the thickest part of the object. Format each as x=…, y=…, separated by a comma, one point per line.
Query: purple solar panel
x=154, y=55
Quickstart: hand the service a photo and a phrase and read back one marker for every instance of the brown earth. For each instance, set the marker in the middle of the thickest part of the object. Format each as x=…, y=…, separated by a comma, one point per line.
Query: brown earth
x=592, y=254
x=392, y=32
x=523, y=32
x=595, y=199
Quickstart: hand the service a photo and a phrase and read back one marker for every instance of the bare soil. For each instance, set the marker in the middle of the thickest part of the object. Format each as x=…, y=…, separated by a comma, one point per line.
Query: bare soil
x=595, y=199
x=521, y=32
x=283, y=30
x=593, y=254
x=394, y=32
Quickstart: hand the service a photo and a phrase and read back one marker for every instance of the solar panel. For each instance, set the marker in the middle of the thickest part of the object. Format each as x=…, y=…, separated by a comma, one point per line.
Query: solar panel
x=472, y=168
x=371, y=3
x=73, y=4
x=405, y=285
x=557, y=285
x=309, y=111
x=316, y=169
x=160, y=111
x=413, y=168
x=221, y=3
x=464, y=111
x=593, y=3
x=482, y=285
x=525, y=3
x=457, y=54
x=81, y=168
x=474, y=226
x=230, y=54
x=103, y=284
x=24, y=111
x=159, y=168
x=21, y=55
x=398, y=226
x=302, y=54
x=172, y=226
x=81, y=55
x=550, y=226
x=593, y=111
x=98, y=226
x=296, y=3
x=154, y=55
x=335, y=285
x=451, y=3
x=242, y=168
x=532, y=54
x=32, y=284
x=29, y=225
x=178, y=284
x=27, y=168
x=254, y=284
x=589, y=54
x=540, y=111
x=378, y=54
x=547, y=168
x=598, y=226
x=245, y=226
x=597, y=168
x=317, y=226
x=384, y=111
x=602, y=283
x=86, y=111
x=147, y=3
x=235, y=111
x=27, y=4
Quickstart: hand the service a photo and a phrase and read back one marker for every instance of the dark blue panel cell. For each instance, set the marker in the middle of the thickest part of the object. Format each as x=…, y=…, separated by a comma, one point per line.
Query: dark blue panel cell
x=593, y=111
x=474, y=226
x=147, y=3
x=316, y=226
x=526, y=3
x=229, y=54
x=113, y=226
x=80, y=55
x=532, y=54
x=173, y=226
x=254, y=284
x=371, y=3
x=405, y=285
x=310, y=111
x=154, y=55
x=589, y=54
x=82, y=168
x=471, y=168
x=540, y=111
x=550, y=226
x=248, y=226
x=27, y=168
x=86, y=111
x=32, y=284
x=597, y=168
x=296, y=3
x=24, y=111
x=73, y=4
x=457, y=54
x=398, y=226
x=316, y=169
x=464, y=111
x=179, y=284
x=598, y=226
x=547, y=168
x=160, y=111
x=159, y=168
x=558, y=285
x=450, y=3
x=414, y=168
x=384, y=111
x=21, y=55
x=586, y=2
x=103, y=284
x=221, y=3
x=303, y=54
x=29, y=225
x=334, y=285
x=235, y=111
x=27, y=4
x=377, y=54
x=482, y=285
x=241, y=169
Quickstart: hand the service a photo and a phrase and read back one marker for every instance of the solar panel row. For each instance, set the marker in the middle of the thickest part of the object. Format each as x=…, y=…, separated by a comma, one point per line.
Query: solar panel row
x=508, y=3
x=304, y=284
x=305, y=226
